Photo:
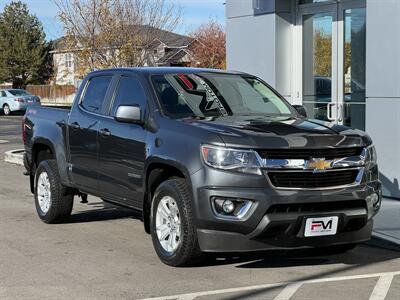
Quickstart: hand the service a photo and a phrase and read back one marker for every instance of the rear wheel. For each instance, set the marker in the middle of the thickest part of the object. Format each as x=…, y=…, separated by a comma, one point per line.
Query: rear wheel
x=6, y=110
x=172, y=228
x=52, y=200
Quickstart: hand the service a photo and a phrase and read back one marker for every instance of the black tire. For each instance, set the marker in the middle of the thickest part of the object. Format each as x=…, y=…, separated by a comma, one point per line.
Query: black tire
x=188, y=251
x=6, y=110
x=61, y=202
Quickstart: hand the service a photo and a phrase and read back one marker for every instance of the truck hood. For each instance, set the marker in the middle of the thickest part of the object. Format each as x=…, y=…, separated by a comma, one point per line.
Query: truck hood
x=280, y=132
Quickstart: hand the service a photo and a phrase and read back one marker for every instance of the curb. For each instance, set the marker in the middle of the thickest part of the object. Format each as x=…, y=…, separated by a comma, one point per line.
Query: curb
x=15, y=157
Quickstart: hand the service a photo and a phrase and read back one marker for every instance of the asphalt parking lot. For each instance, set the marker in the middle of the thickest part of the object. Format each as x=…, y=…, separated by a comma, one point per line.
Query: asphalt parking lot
x=103, y=253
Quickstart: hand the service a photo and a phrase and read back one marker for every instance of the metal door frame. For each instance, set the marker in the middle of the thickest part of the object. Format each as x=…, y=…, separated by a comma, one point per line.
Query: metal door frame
x=337, y=9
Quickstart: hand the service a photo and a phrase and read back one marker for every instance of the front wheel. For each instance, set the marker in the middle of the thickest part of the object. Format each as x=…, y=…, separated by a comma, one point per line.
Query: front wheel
x=53, y=202
x=172, y=228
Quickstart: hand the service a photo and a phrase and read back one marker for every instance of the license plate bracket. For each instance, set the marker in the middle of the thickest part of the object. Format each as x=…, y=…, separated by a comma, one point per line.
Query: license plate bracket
x=321, y=226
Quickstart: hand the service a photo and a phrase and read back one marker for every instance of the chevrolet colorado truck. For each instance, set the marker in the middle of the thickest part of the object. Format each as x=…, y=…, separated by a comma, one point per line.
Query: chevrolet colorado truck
x=214, y=161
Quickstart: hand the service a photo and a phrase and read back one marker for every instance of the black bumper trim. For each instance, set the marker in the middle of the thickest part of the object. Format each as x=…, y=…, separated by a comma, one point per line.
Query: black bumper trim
x=222, y=241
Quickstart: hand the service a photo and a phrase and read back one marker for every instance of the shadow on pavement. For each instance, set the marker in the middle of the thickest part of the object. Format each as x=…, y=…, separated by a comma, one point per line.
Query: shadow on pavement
x=382, y=251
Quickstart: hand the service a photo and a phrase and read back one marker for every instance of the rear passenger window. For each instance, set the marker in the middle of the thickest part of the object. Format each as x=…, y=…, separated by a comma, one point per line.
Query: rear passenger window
x=95, y=93
x=129, y=92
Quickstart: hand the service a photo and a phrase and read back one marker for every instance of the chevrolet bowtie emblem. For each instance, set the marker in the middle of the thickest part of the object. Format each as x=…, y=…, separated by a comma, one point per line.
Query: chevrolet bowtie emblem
x=319, y=164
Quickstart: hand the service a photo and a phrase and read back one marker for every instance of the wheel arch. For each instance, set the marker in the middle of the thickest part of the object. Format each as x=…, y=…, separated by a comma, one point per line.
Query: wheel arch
x=157, y=171
x=41, y=149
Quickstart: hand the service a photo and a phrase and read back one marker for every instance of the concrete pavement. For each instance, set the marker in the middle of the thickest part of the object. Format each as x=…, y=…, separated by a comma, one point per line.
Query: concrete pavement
x=387, y=222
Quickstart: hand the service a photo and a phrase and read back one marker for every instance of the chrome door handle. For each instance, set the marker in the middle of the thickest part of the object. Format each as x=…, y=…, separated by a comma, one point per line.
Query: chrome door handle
x=329, y=111
x=340, y=113
x=105, y=132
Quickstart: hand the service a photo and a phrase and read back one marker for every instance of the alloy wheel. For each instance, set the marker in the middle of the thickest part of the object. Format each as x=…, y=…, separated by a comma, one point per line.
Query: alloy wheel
x=168, y=224
x=44, y=192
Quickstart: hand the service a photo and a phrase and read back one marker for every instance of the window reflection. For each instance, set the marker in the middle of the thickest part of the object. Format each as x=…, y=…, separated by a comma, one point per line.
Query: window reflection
x=354, y=67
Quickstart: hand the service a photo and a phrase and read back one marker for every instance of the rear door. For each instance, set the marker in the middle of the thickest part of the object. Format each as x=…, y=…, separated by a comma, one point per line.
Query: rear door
x=122, y=149
x=3, y=98
x=83, y=133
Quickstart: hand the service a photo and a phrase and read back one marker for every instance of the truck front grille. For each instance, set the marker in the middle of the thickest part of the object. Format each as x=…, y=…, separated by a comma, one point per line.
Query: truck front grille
x=311, y=180
x=327, y=153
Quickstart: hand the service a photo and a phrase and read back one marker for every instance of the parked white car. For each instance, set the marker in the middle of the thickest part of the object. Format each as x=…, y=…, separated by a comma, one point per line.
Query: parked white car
x=13, y=100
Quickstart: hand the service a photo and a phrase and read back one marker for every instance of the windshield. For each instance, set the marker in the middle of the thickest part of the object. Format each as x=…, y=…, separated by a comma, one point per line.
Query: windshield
x=19, y=93
x=217, y=94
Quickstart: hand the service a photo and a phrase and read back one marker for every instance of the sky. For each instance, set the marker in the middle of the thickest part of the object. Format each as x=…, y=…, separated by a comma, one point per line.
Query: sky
x=195, y=12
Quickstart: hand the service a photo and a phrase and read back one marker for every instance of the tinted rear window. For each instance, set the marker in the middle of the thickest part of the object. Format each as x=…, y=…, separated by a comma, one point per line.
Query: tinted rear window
x=96, y=93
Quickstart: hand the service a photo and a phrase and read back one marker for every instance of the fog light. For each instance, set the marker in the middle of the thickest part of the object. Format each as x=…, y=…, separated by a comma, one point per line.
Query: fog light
x=228, y=206
x=376, y=201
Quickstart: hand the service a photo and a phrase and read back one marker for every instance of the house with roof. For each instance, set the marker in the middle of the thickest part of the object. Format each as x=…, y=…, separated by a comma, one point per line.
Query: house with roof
x=165, y=49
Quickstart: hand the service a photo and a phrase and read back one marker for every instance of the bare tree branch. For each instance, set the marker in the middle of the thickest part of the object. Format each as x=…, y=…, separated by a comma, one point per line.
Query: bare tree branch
x=115, y=33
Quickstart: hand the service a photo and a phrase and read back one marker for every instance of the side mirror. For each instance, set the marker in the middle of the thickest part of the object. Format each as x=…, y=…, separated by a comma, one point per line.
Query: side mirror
x=129, y=114
x=301, y=110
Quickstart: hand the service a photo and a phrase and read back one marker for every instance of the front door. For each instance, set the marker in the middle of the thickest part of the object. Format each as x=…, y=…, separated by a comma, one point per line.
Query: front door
x=333, y=61
x=122, y=148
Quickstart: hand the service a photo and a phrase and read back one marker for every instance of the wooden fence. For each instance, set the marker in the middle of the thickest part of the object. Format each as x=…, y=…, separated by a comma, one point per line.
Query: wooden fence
x=51, y=94
x=51, y=91
x=48, y=91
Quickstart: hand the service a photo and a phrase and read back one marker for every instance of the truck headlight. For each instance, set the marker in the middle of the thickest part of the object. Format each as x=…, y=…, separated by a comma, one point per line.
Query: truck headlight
x=371, y=157
x=245, y=161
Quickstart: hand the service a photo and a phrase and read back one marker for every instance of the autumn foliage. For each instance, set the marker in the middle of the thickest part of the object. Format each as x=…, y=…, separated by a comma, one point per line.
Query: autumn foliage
x=209, y=46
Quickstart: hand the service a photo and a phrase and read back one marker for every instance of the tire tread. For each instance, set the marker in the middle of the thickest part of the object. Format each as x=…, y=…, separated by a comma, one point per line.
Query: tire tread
x=61, y=200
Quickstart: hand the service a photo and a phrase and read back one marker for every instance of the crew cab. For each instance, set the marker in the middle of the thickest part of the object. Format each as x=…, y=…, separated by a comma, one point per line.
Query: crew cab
x=214, y=161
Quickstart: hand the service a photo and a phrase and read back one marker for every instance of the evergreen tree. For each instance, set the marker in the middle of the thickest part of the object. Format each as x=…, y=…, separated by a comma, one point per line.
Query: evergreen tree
x=23, y=49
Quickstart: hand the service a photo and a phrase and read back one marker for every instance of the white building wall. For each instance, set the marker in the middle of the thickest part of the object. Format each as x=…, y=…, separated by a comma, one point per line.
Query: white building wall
x=64, y=75
x=261, y=44
x=383, y=88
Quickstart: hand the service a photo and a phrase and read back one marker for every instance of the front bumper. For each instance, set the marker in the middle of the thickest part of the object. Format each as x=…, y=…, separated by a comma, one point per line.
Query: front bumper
x=265, y=228
x=222, y=241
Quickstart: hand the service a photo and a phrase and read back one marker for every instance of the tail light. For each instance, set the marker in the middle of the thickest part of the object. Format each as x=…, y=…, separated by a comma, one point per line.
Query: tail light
x=21, y=100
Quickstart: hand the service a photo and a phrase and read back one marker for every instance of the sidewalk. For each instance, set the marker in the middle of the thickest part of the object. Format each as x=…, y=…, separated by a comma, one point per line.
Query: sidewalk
x=387, y=222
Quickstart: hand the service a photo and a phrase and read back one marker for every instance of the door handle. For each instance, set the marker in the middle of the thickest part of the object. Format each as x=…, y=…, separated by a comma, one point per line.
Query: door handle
x=340, y=113
x=75, y=125
x=329, y=112
x=105, y=132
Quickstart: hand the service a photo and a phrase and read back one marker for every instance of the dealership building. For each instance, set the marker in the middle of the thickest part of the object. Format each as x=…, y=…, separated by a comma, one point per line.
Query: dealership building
x=338, y=58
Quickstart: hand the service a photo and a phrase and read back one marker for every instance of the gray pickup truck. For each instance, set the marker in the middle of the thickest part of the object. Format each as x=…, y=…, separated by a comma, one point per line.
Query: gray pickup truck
x=214, y=161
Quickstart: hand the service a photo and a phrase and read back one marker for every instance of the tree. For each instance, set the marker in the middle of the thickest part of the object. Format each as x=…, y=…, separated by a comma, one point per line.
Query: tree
x=322, y=54
x=114, y=33
x=23, y=49
x=209, y=47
